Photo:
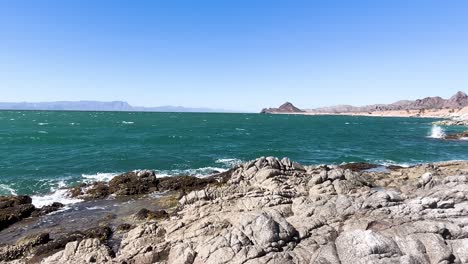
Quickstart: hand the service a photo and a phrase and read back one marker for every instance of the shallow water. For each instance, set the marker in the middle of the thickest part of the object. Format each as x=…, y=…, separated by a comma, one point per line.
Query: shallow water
x=42, y=151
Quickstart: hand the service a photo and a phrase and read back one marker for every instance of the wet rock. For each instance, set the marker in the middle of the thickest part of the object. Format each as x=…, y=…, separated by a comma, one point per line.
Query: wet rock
x=358, y=166
x=184, y=183
x=461, y=135
x=47, y=209
x=14, y=209
x=145, y=214
x=77, y=190
x=124, y=227
x=98, y=190
x=134, y=183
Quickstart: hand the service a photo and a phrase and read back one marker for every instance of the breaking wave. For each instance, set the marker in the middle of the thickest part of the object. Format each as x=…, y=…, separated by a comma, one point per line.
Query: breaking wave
x=437, y=132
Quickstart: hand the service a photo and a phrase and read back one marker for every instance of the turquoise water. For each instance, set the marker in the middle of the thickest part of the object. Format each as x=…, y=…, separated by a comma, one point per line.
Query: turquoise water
x=41, y=151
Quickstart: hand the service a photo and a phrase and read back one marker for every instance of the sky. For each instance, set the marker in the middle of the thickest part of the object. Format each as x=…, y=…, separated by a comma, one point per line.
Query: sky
x=239, y=55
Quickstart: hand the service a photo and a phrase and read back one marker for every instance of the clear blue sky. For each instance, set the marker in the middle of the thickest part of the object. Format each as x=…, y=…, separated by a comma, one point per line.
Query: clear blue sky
x=241, y=54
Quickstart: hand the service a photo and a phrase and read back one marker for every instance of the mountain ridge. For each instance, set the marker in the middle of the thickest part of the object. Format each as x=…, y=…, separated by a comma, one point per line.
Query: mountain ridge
x=90, y=105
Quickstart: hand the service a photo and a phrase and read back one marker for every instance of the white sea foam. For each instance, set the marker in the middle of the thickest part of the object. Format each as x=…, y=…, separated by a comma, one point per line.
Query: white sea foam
x=60, y=195
x=437, y=132
x=104, y=177
x=393, y=163
x=127, y=122
x=200, y=172
x=96, y=208
x=8, y=189
x=43, y=124
x=229, y=162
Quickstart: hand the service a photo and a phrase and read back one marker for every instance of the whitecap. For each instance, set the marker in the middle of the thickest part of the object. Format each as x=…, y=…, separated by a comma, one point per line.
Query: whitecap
x=199, y=172
x=8, y=189
x=393, y=163
x=229, y=162
x=62, y=196
x=240, y=129
x=43, y=124
x=127, y=122
x=104, y=177
x=42, y=132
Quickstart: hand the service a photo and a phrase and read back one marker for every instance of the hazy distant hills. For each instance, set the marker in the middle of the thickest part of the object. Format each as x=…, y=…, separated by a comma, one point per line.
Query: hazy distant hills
x=99, y=106
x=459, y=100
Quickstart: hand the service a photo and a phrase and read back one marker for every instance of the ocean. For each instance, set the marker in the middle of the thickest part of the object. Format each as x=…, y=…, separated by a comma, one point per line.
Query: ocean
x=43, y=151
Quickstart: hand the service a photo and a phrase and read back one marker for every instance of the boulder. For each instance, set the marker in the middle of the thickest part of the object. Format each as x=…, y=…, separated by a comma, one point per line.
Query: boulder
x=134, y=183
x=14, y=209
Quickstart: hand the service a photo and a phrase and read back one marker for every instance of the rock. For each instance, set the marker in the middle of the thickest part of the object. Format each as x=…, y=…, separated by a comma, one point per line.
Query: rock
x=359, y=246
x=23, y=247
x=184, y=183
x=181, y=254
x=100, y=190
x=47, y=209
x=14, y=209
x=426, y=178
x=358, y=166
x=145, y=214
x=100, y=233
x=461, y=135
x=124, y=227
x=85, y=251
x=274, y=211
x=134, y=183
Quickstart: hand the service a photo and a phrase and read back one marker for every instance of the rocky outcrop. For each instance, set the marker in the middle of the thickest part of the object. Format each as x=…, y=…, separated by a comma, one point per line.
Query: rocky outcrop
x=144, y=182
x=457, y=136
x=451, y=123
x=13, y=209
x=284, y=108
x=278, y=211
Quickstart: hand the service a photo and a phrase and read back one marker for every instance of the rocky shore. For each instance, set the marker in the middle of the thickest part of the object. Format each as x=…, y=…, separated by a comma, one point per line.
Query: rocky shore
x=271, y=211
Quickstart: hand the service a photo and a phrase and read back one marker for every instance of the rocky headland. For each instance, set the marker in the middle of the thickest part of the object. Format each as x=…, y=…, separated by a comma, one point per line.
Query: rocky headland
x=268, y=211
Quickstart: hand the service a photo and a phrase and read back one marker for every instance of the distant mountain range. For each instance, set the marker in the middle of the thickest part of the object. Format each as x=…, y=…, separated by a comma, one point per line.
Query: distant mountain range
x=99, y=106
x=459, y=100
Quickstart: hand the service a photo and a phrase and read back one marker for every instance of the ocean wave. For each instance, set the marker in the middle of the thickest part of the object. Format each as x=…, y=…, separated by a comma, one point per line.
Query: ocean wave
x=199, y=172
x=43, y=124
x=128, y=122
x=42, y=132
x=393, y=163
x=103, y=177
x=7, y=188
x=437, y=132
x=60, y=195
x=229, y=162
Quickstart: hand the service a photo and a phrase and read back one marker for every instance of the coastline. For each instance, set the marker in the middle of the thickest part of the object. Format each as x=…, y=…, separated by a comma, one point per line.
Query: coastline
x=262, y=210
x=428, y=113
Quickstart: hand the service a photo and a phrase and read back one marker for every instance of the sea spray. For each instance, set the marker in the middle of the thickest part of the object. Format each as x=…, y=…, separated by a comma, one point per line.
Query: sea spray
x=437, y=132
